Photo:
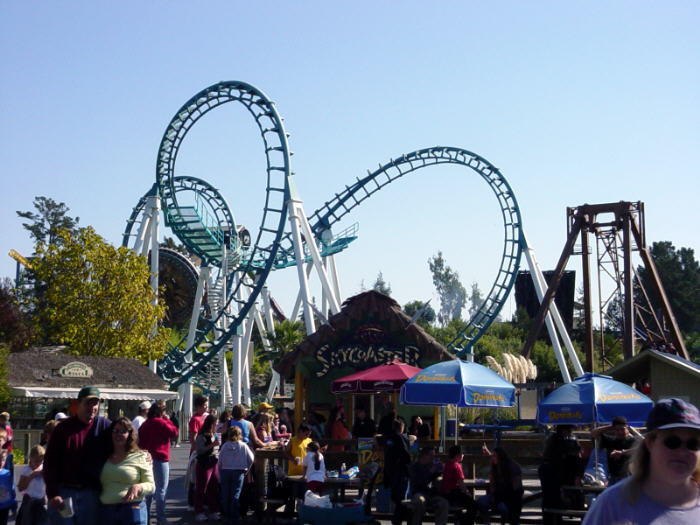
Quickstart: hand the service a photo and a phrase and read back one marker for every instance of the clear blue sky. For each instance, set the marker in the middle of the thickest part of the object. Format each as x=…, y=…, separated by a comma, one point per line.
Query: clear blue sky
x=575, y=103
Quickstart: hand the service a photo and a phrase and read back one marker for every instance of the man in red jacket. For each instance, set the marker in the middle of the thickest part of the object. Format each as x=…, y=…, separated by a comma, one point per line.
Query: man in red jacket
x=154, y=435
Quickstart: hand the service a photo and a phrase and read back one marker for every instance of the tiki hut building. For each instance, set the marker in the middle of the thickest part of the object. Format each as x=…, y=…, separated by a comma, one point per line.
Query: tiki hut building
x=370, y=330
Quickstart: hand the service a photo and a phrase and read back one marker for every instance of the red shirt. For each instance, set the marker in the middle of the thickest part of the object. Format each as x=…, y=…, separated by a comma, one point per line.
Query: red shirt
x=155, y=434
x=452, y=474
x=76, y=453
x=8, y=429
x=196, y=422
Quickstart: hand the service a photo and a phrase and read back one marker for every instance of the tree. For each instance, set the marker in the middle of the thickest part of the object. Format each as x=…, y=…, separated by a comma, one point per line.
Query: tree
x=453, y=296
x=50, y=219
x=381, y=286
x=680, y=275
x=15, y=329
x=288, y=334
x=5, y=392
x=427, y=317
x=98, y=298
x=476, y=299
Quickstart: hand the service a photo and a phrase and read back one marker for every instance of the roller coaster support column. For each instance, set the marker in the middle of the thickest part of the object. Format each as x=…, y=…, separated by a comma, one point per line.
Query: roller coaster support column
x=548, y=300
x=154, y=209
x=236, y=358
x=185, y=389
x=301, y=272
x=300, y=226
x=552, y=317
x=300, y=296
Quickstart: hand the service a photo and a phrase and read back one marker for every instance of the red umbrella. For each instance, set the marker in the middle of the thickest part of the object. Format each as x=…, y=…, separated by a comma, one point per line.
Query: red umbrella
x=382, y=378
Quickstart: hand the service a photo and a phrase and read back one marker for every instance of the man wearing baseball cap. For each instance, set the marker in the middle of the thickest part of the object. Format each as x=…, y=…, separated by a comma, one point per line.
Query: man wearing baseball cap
x=665, y=483
x=74, y=458
x=144, y=406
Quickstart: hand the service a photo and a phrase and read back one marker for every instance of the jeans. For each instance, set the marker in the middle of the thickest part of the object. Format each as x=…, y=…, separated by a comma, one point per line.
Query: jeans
x=231, y=485
x=124, y=514
x=161, y=473
x=86, y=506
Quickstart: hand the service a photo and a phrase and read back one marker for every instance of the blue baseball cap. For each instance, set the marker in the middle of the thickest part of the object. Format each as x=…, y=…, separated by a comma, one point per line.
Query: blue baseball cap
x=673, y=413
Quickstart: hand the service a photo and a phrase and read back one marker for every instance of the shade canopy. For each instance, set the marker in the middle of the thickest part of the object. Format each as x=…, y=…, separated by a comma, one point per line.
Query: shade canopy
x=105, y=393
x=594, y=398
x=382, y=378
x=460, y=383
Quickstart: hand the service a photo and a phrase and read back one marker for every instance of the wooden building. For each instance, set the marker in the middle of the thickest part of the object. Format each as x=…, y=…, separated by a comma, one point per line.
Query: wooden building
x=669, y=375
x=47, y=380
x=370, y=330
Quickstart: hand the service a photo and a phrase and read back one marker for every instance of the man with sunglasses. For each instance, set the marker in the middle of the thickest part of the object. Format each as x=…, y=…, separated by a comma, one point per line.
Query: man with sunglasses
x=665, y=483
x=618, y=447
x=76, y=453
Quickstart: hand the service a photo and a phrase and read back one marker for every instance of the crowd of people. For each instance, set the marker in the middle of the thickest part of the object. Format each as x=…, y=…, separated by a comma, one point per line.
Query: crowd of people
x=89, y=469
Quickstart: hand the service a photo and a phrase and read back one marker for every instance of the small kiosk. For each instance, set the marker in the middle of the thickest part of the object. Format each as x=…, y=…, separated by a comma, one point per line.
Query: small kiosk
x=370, y=330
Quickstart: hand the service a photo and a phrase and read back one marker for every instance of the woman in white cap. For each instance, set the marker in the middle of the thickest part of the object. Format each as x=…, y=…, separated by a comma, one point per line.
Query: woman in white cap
x=665, y=483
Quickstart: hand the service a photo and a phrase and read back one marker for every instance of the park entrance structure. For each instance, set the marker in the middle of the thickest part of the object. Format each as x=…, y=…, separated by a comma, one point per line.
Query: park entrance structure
x=619, y=230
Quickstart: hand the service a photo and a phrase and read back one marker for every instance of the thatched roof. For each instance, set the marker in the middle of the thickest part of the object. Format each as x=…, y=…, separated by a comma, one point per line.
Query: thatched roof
x=371, y=308
x=39, y=367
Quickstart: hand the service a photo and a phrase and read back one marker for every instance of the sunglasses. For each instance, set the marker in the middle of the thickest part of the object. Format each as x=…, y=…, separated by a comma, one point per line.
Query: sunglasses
x=118, y=431
x=674, y=442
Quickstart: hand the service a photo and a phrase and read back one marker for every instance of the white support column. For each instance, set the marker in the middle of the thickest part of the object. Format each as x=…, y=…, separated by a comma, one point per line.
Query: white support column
x=154, y=205
x=334, y=276
x=246, y=377
x=297, y=242
x=316, y=257
x=203, y=279
x=143, y=228
x=536, y=274
x=236, y=358
x=300, y=296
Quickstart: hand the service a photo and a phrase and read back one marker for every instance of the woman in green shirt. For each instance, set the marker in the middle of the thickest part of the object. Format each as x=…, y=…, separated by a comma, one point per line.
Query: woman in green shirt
x=126, y=478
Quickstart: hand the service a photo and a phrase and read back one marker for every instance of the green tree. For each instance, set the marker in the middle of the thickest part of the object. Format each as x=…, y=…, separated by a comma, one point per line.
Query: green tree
x=98, y=298
x=49, y=220
x=288, y=334
x=453, y=296
x=381, y=286
x=680, y=275
x=427, y=317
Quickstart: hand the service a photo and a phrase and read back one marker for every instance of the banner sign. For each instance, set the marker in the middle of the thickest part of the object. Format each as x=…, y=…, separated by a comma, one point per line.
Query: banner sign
x=367, y=356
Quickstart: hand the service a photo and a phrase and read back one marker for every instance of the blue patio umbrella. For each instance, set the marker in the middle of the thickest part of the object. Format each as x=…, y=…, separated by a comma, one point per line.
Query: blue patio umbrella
x=593, y=398
x=460, y=383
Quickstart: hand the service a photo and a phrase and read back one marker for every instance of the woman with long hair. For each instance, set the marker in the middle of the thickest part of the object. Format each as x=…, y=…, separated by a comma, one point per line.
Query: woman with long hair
x=264, y=429
x=207, y=485
x=505, y=486
x=665, y=483
x=126, y=478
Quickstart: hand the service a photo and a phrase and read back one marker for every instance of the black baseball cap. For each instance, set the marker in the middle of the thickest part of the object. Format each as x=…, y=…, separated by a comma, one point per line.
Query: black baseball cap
x=673, y=413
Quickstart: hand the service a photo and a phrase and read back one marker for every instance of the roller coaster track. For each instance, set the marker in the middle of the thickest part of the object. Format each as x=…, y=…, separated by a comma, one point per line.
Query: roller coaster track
x=353, y=195
x=182, y=363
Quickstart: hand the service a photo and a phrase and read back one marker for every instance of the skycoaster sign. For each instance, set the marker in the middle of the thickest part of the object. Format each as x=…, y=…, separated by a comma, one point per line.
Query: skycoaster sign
x=367, y=356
